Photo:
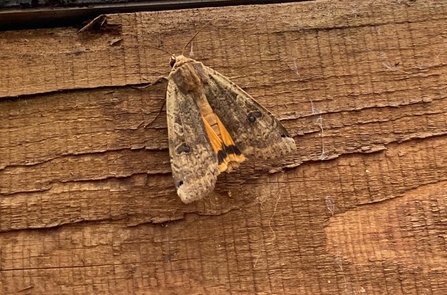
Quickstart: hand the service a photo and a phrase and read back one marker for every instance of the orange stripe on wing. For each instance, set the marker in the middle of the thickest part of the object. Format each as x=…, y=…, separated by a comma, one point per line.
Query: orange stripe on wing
x=228, y=155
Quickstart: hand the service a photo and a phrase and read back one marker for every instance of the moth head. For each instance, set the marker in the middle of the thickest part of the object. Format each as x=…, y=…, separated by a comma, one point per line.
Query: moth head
x=172, y=60
x=178, y=61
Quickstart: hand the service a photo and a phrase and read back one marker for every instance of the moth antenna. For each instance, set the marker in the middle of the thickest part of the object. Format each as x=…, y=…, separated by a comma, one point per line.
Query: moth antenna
x=191, y=50
x=153, y=47
x=190, y=40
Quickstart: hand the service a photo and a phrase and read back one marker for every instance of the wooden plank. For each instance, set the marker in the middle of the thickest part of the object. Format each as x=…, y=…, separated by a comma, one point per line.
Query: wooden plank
x=87, y=203
x=47, y=14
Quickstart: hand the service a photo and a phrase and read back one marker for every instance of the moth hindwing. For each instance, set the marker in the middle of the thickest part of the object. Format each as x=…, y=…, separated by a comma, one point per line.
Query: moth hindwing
x=212, y=125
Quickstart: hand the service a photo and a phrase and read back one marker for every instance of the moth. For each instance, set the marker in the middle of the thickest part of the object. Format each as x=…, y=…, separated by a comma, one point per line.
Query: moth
x=213, y=126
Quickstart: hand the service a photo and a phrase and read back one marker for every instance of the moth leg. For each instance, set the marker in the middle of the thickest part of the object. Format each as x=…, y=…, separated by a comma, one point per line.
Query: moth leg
x=160, y=79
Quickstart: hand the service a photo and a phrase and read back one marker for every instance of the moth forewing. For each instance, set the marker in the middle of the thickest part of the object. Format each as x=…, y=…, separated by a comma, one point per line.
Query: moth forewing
x=212, y=124
x=254, y=129
x=193, y=161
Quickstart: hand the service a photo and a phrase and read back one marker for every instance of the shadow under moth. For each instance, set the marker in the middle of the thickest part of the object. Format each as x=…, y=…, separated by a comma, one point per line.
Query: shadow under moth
x=212, y=125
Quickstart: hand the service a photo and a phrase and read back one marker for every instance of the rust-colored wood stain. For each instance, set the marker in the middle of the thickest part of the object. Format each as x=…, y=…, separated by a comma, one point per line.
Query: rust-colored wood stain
x=87, y=201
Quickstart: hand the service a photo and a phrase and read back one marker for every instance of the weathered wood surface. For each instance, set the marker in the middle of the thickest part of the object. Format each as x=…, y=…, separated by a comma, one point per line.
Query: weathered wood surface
x=87, y=204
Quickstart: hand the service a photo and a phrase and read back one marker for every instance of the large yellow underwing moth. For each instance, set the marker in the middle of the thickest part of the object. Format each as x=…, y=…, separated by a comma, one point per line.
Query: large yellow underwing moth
x=212, y=125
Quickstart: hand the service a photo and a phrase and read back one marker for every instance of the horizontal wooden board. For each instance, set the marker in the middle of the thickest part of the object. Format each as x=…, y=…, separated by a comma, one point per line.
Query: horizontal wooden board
x=87, y=203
